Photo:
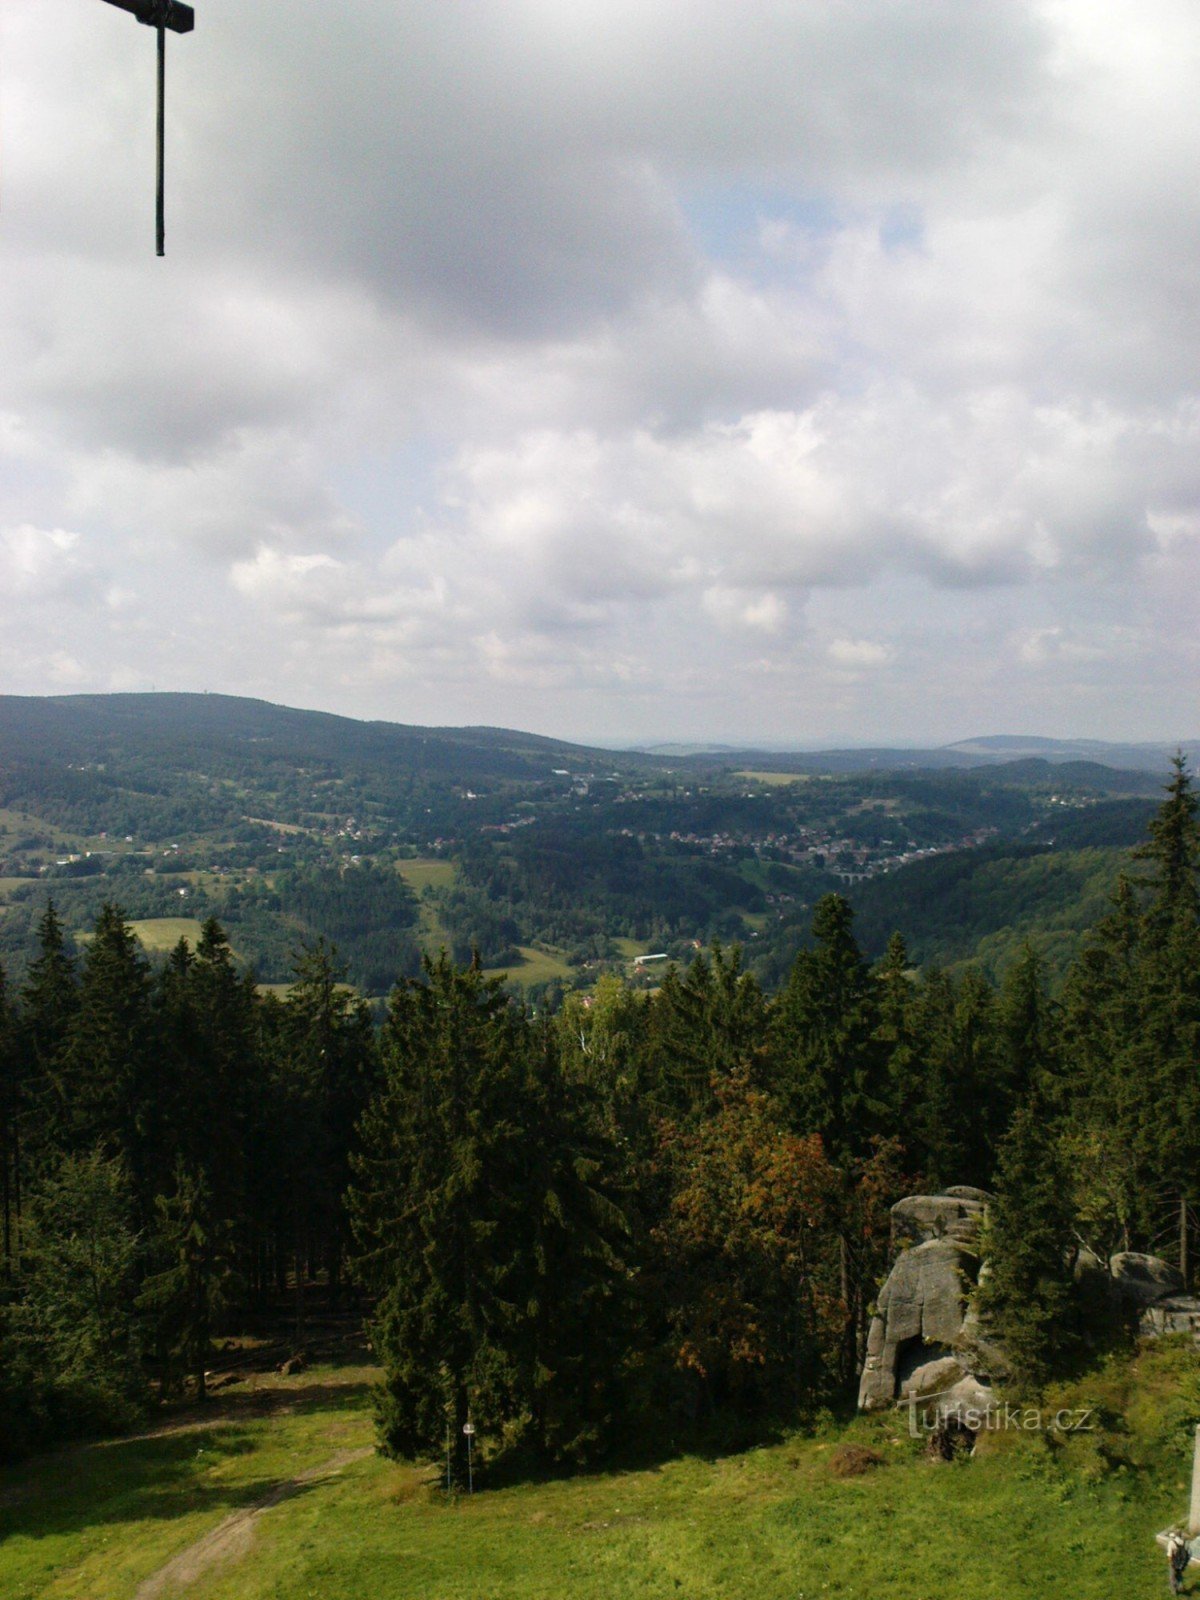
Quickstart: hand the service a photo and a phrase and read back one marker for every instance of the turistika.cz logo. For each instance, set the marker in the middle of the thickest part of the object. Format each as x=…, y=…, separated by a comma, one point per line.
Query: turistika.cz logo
x=926, y=1416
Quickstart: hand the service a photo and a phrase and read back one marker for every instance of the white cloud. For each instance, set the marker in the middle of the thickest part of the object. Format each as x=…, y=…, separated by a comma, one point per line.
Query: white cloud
x=526, y=360
x=858, y=653
x=43, y=564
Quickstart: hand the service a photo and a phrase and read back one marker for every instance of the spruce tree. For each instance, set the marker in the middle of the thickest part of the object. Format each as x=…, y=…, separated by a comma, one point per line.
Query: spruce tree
x=435, y=1208
x=832, y=1070
x=109, y=1055
x=191, y=1280
x=48, y=1003
x=1028, y=1298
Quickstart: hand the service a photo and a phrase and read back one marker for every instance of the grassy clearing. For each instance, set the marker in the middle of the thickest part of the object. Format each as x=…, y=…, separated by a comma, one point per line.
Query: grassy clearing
x=164, y=933
x=427, y=872
x=630, y=948
x=1025, y=1517
x=537, y=966
x=775, y=780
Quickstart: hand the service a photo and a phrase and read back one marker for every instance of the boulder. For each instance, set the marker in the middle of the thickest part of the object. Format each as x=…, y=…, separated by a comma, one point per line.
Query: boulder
x=1141, y=1280
x=1177, y=1313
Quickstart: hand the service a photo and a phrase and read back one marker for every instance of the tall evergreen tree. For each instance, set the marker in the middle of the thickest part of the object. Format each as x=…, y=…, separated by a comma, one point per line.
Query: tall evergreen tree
x=576, y=1310
x=435, y=1210
x=328, y=1043
x=109, y=1054
x=48, y=1003
x=832, y=1070
x=1028, y=1298
x=10, y=1140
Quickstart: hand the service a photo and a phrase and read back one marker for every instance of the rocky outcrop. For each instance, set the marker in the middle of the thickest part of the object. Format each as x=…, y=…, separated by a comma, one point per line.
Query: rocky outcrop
x=1152, y=1290
x=916, y=1345
x=925, y=1338
x=1142, y=1280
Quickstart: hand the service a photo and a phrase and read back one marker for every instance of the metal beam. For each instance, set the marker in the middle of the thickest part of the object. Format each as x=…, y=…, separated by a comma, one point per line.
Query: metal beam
x=160, y=13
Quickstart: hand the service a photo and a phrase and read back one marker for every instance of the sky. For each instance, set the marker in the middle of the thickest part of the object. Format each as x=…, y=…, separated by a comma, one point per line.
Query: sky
x=733, y=370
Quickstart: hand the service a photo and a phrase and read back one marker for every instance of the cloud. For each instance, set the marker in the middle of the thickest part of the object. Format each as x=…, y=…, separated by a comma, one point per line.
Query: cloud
x=44, y=564
x=522, y=360
x=856, y=654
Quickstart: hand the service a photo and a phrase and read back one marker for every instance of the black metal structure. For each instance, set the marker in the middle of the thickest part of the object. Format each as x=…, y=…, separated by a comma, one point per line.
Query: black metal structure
x=160, y=15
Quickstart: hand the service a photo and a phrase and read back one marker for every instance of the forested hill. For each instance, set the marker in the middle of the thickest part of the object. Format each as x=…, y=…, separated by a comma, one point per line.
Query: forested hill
x=180, y=729
x=557, y=862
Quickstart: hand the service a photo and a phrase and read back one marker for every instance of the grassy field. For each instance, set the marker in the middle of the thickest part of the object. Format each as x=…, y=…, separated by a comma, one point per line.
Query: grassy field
x=537, y=966
x=426, y=872
x=164, y=933
x=774, y=779
x=276, y=1496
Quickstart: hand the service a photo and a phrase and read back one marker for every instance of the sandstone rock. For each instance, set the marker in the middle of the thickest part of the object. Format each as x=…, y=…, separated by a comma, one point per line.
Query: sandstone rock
x=918, y=1320
x=1177, y=1313
x=964, y=1191
x=1141, y=1280
x=922, y=1217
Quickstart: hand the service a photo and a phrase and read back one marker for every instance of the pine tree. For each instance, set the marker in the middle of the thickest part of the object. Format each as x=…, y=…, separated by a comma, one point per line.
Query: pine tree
x=712, y=1020
x=192, y=1279
x=109, y=1054
x=79, y=1275
x=48, y=1003
x=10, y=1140
x=435, y=1211
x=1027, y=1297
x=327, y=1041
x=832, y=1070
x=576, y=1313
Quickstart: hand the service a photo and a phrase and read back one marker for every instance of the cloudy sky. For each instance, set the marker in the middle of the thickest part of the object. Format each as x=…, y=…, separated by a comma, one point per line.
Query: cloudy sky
x=803, y=370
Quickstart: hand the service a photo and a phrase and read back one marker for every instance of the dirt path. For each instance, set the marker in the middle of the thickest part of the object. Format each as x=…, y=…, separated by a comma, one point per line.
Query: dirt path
x=231, y=1539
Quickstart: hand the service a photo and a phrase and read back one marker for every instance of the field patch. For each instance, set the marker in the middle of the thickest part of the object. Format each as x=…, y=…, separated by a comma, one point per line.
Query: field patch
x=164, y=933
x=427, y=872
x=537, y=966
x=776, y=780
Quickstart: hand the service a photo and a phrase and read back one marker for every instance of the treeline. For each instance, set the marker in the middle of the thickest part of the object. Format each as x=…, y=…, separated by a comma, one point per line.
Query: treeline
x=644, y=1216
x=172, y=1146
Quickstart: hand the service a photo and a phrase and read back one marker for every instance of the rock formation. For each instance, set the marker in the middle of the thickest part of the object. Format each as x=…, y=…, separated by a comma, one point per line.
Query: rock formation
x=925, y=1339
x=922, y=1337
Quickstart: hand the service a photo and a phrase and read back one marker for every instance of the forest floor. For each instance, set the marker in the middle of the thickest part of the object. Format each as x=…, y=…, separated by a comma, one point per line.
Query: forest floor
x=273, y=1489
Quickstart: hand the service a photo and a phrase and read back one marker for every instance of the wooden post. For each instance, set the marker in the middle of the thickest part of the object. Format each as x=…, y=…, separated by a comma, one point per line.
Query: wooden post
x=1194, y=1513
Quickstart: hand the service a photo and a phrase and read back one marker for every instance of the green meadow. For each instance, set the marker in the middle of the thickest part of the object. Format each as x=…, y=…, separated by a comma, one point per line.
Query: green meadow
x=273, y=1492
x=426, y=872
x=536, y=966
x=164, y=933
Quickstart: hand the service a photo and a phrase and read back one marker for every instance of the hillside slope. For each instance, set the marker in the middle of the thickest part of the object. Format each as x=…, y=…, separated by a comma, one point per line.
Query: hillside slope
x=275, y=1495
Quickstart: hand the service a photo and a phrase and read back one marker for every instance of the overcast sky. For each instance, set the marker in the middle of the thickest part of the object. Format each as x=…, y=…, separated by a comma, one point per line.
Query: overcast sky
x=825, y=370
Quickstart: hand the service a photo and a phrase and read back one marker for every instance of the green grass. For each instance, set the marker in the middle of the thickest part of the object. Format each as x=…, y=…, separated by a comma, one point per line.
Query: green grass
x=426, y=872
x=630, y=948
x=774, y=779
x=1072, y=1521
x=537, y=966
x=164, y=933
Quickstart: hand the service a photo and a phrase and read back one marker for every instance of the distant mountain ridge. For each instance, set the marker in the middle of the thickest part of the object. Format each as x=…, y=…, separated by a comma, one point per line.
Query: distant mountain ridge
x=85, y=725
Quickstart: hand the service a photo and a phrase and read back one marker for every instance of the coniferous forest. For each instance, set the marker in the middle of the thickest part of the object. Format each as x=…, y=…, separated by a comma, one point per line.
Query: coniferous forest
x=642, y=1214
